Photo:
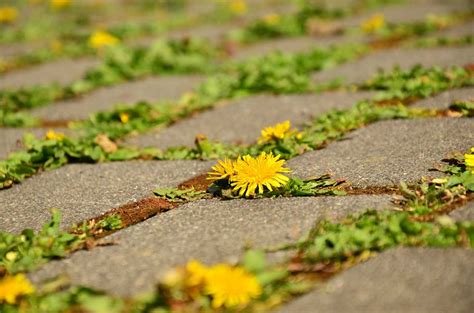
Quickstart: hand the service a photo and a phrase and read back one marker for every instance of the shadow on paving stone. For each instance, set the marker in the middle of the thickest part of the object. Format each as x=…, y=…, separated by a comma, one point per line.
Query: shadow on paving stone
x=241, y=120
x=11, y=139
x=464, y=213
x=83, y=191
x=385, y=153
x=208, y=230
x=62, y=71
x=153, y=89
x=444, y=99
x=365, y=68
x=409, y=280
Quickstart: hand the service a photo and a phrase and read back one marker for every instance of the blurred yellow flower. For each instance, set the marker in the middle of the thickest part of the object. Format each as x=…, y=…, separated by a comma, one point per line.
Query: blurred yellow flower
x=56, y=46
x=222, y=170
x=374, y=23
x=276, y=132
x=52, y=135
x=238, y=6
x=124, y=117
x=8, y=14
x=196, y=273
x=256, y=173
x=271, y=19
x=12, y=287
x=231, y=286
x=469, y=160
x=59, y=4
x=101, y=39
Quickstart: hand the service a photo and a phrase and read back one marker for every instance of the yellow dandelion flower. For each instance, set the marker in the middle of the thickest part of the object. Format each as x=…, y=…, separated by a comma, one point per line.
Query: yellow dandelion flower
x=276, y=132
x=59, y=4
x=262, y=171
x=374, y=23
x=8, y=14
x=52, y=135
x=231, y=286
x=238, y=6
x=196, y=273
x=469, y=160
x=12, y=287
x=223, y=169
x=271, y=19
x=124, y=117
x=101, y=39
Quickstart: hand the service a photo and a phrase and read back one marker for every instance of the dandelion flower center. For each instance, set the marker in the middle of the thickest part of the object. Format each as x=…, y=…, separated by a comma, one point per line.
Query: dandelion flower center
x=261, y=172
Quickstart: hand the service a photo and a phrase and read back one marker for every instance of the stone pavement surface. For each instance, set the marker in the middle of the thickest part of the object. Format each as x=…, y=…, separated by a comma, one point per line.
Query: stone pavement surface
x=207, y=230
x=411, y=280
x=83, y=191
x=385, y=153
x=378, y=155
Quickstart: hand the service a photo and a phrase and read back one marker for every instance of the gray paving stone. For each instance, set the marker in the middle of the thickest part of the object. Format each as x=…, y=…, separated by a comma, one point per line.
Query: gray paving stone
x=11, y=138
x=210, y=230
x=366, y=67
x=457, y=31
x=242, y=120
x=411, y=280
x=62, y=71
x=83, y=191
x=385, y=153
x=465, y=213
x=444, y=99
x=152, y=89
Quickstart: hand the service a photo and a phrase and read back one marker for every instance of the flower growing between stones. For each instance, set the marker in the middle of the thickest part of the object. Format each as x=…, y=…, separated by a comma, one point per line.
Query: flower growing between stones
x=52, y=135
x=469, y=160
x=374, y=23
x=58, y=4
x=231, y=286
x=124, y=117
x=13, y=287
x=248, y=175
x=277, y=132
x=271, y=19
x=238, y=6
x=8, y=14
x=100, y=39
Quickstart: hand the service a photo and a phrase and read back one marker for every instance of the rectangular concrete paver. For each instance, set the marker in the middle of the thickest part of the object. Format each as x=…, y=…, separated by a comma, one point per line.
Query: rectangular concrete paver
x=365, y=68
x=410, y=280
x=209, y=230
x=152, y=89
x=385, y=153
x=241, y=120
x=83, y=191
x=62, y=72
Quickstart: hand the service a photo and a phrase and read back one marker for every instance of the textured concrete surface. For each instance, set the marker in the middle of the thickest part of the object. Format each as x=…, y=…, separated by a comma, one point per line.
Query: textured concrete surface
x=388, y=152
x=464, y=213
x=445, y=99
x=208, y=230
x=83, y=191
x=62, y=72
x=410, y=280
x=242, y=120
x=152, y=89
x=11, y=139
x=366, y=67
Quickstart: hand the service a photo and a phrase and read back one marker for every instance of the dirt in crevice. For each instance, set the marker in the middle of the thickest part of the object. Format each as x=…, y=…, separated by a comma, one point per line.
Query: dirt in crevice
x=445, y=209
x=55, y=123
x=130, y=214
x=199, y=183
x=375, y=190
